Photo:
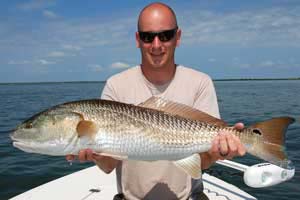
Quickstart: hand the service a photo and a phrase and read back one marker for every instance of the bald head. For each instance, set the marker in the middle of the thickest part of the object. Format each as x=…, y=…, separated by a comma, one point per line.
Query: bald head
x=156, y=13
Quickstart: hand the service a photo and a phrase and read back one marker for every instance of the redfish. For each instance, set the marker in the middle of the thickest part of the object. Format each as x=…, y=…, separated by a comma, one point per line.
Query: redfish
x=154, y=130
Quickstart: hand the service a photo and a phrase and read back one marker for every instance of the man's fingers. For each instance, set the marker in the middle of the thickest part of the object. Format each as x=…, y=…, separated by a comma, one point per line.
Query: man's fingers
x=70, y=157
x=226, y=146
x=85, y=155
x=215, y=145
x=232, y=146
x=223, y=144
x=239, y=126
x=241, y=150
x=81, y=156
x=89, y=155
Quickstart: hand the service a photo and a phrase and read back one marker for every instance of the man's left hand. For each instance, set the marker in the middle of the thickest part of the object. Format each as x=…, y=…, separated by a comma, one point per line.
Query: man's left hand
x=224, y=146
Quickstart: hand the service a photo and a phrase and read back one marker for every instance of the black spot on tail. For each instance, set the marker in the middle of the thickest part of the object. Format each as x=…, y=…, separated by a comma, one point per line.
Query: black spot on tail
x=256, y=131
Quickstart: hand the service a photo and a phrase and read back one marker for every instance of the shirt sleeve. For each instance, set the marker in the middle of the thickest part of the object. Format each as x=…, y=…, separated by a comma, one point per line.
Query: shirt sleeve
x=108, y=92
x=206, y=98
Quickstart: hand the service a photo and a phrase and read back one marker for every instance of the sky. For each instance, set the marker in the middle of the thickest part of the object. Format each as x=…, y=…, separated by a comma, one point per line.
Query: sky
x=59, y=40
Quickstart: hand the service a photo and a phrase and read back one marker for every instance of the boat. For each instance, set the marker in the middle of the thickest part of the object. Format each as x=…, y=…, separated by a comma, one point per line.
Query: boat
x=92, y=183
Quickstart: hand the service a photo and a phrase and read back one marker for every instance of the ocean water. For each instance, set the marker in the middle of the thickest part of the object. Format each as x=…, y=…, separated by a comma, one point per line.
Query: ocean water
x=239, y=101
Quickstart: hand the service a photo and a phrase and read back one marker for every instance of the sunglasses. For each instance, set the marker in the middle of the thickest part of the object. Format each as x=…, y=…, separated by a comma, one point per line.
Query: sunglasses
x=164, y=36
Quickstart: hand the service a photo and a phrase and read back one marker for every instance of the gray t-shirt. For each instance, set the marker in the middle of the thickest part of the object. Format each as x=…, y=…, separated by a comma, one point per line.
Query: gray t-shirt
x=159, y=179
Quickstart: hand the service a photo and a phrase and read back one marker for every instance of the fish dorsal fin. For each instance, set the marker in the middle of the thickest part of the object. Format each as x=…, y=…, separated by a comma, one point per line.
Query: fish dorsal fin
x=181, y=110
x=191, y=165
x=86, y=128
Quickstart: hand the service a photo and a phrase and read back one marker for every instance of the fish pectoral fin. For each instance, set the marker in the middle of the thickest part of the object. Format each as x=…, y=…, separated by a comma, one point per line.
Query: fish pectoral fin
x=173, y=108
x=86, y=128
x=191, y=165
x=115, y=156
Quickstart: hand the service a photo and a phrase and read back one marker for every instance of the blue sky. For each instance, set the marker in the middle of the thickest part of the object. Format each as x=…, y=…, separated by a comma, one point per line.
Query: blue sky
x=59, y=40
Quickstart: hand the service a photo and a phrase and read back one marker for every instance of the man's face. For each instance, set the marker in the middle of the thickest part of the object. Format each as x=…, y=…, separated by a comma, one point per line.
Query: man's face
x=157, y=54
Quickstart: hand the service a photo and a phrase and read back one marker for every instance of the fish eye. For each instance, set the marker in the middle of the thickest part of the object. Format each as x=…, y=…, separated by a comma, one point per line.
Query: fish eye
x=28, y=125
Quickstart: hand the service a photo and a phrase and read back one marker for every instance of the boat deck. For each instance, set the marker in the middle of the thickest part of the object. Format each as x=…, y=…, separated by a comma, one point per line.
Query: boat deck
x=92, y=183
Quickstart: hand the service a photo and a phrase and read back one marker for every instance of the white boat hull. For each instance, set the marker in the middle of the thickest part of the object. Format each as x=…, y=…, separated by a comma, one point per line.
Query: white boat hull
x=92, y=183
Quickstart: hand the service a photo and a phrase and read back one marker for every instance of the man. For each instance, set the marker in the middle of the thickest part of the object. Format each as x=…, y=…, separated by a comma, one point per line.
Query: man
x=157, y=37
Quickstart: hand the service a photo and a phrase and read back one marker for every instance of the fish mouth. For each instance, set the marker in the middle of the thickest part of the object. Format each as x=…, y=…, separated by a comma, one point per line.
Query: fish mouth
x=23, y=146
x=13, y=138
x=45, y=147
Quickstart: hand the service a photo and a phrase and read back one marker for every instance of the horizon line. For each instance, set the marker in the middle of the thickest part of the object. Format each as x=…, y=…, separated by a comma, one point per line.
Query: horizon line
x=222, y=79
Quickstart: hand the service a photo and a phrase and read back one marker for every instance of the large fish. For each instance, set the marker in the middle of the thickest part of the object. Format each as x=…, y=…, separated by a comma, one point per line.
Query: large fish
x=155, y=130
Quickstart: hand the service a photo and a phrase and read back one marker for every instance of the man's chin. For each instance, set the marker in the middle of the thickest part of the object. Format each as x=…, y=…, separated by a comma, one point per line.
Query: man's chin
x=157, y=66
x=157, y=63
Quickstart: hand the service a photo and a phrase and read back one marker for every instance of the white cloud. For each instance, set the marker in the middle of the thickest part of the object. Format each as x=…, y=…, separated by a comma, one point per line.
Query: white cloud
x=44, y=62
x=95, y=67
x=23, y=62
x=57, y=54
x=49, y=14
x=268, y=27
x=119, y=65
x=68, y=35
x=31, y=62
x=35, y=5
x=88, y=33
x=89, y=36
x=245, y=66
x=267, y=63
x=71, y=47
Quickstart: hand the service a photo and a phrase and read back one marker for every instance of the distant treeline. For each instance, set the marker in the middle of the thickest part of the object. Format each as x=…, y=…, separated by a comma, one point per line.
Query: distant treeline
x=256, y=79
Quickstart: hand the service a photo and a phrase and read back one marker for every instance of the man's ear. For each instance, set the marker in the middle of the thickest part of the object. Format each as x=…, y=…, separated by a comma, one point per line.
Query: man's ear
x=137, y=39
x=178, y=37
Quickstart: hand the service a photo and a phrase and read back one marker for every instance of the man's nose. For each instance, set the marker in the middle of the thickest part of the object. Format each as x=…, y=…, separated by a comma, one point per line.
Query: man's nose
x=156, y=43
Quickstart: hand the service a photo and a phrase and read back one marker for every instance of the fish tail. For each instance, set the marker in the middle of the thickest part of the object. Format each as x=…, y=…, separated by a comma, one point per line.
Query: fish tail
x=271, y=148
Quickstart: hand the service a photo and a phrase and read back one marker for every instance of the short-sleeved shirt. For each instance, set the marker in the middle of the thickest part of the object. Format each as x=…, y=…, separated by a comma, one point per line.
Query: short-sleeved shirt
x=159, y=179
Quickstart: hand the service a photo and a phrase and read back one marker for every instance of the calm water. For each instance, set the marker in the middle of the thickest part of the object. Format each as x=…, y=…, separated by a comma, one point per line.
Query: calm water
x=246, y=101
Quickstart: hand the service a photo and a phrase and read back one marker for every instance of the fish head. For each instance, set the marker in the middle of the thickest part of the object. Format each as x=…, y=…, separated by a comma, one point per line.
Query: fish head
x=51, y=132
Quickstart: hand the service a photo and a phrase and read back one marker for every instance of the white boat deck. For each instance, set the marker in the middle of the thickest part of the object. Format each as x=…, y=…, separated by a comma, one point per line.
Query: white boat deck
x=217, y=189
x=92, y=183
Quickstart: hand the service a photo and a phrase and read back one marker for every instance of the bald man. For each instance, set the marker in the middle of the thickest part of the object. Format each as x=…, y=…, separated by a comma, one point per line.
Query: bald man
x=157, y=37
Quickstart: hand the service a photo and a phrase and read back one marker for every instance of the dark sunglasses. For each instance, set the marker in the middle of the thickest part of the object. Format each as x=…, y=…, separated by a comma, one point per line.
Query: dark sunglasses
x=164, y=36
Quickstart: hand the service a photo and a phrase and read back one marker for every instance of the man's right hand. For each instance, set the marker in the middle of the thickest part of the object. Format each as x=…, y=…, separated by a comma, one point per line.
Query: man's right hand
x=83, y=156
x=107, y=164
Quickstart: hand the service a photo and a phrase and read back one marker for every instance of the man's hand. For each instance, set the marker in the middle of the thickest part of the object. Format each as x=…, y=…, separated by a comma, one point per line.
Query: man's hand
x=107, y=164
x=224, y=146
x=83, y=156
